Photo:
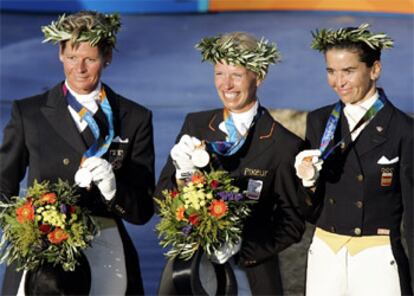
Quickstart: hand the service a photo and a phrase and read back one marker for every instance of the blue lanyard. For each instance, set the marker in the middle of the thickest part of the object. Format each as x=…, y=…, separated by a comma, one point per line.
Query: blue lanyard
x=333, y=120
x=235, y=141
x=86, y=115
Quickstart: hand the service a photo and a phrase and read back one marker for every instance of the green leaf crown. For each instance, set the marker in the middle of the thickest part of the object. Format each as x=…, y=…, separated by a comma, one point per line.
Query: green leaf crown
x=90, y=30
x=326, y=38
x=214, y=50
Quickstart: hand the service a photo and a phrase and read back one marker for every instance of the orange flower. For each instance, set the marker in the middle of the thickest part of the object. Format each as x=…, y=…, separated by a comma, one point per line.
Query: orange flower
x=179, y=214
x=198, y=179
x=25, y=213
x=49, y=197
x=57, y=236
x=218, y=208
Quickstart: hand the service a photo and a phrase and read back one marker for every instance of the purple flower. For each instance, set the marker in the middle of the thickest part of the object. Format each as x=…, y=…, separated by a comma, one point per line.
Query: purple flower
x=186, y=229
x=63, y=208
x=230, y=196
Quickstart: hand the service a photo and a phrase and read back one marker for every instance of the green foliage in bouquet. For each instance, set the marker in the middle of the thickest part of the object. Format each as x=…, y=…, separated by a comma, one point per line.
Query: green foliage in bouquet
x=205, y=212
x=44, y=226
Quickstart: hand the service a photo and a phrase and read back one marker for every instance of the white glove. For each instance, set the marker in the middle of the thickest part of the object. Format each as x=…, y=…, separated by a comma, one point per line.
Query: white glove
x=181, y=155
x=225, y=252
x=308, y=165
x=102, y=175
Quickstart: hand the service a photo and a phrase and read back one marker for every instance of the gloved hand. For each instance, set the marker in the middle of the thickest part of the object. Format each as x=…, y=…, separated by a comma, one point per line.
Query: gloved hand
x=223, y=254
x=181, y=155
x=308, y=165
x=102, y=175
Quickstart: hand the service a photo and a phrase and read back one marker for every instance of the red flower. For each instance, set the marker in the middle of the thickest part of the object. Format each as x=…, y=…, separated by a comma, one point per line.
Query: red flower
x=174, y=194
x=25, y=213
x=72, y=209
x=57, y=236
x=214, y=184
x=45, y=228
x=49, y=198
x=218, y=208
x=194, y=219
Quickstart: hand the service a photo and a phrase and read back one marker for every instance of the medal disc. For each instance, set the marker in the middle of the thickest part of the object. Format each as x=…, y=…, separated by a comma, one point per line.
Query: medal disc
x=306, y=170
x=83, y=177
x=200, y=158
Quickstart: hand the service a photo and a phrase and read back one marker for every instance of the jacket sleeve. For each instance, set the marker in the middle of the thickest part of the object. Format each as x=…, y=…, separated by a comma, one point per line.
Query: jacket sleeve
x=13, y=154
x=135, y=181
x=407, y=187
x=167, y=176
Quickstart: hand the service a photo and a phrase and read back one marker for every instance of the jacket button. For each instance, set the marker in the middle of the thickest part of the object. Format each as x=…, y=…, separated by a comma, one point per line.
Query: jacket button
x=360, y=178
x=357, y=231
x=66, y=161
x=332, y=229
x=359, y=204
x=331, y=201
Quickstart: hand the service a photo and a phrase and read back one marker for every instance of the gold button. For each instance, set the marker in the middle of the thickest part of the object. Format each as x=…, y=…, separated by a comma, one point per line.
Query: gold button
x=360, y=178
x=332, y=229
x=331, y=201
x=342, y=145
x=357, y=231
x=66, y=161
x=359, y=204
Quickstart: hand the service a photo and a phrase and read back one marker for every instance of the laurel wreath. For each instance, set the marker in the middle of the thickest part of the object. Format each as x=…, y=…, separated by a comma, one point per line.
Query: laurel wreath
x=257, y=60
x=325, y=38
x=62, y=30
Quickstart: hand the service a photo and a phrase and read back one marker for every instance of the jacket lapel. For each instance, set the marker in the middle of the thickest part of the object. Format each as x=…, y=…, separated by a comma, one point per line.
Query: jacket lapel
x=262, y=135
x=57, y=113
x=213, y=132
x=374, y=133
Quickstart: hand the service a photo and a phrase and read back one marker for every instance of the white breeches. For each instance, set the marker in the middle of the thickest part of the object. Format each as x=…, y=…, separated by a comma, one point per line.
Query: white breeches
x=373, y=271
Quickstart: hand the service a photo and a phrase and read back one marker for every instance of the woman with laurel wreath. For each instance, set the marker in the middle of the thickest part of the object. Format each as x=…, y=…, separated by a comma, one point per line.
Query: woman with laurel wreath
x=82, y=131
x=246, y=141
x=359, y=174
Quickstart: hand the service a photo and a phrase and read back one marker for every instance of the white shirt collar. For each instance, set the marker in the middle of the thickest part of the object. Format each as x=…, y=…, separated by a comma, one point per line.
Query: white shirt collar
x=88, y=100
x=243, y=120
x=354, y=113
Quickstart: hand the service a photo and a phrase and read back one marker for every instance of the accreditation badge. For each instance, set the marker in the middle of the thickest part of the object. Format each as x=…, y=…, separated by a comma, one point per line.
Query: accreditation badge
x=254, y=188
x=386, y=177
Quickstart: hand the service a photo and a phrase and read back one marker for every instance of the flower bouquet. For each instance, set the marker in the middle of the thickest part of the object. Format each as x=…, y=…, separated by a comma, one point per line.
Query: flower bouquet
x=206, y=211
x=46, y=226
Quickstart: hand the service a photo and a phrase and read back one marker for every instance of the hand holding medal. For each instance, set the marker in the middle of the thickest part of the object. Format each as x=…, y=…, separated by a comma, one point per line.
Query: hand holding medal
x=83, y=178
x=308, y=164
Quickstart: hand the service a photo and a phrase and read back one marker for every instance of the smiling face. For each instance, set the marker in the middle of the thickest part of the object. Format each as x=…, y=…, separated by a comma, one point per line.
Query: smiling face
x=83, y=66
x=236, y=86
x=351, y=79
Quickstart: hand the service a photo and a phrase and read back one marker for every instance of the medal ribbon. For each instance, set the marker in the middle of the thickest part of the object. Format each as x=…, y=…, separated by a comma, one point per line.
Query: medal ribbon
x=86, y=115
x=333, y=120
x=234, y=139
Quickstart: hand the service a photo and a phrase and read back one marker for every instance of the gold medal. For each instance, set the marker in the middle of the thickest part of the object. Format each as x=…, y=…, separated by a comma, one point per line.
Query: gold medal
x=200, y=158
